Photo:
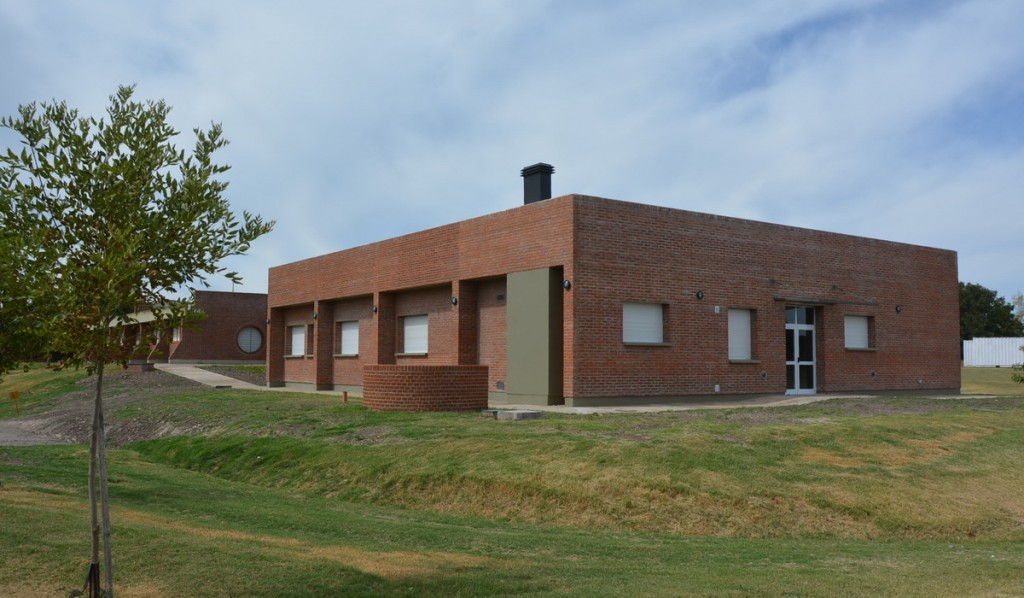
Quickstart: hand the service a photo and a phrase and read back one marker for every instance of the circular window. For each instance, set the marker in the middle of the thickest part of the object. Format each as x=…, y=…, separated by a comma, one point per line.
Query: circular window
x=250, y=339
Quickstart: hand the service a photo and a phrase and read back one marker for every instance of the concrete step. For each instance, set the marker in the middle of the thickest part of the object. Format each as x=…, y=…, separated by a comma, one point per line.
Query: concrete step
x=512, y=414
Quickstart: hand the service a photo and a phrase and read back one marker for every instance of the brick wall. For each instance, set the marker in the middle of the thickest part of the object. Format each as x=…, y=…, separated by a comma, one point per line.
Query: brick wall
x=492, y=336
x=425, y=387
x=516, y=240
x=298, y=368
x=436, y=304
x=215, y=338
x=613, y=252
x=420, y=273
x=633, y=252
x=348, y=370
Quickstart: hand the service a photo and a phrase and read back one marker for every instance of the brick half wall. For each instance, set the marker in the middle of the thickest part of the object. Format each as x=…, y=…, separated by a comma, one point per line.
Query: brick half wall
x=425, y=387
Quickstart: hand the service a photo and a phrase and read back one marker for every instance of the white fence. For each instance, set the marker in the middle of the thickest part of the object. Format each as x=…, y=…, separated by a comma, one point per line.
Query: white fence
x=993, y=352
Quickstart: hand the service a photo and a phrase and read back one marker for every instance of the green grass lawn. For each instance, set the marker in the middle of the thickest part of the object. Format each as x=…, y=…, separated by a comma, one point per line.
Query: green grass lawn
x=37, y=389
x=282, y=494
x=845, y=468
x=178, y=533
x=989, y=381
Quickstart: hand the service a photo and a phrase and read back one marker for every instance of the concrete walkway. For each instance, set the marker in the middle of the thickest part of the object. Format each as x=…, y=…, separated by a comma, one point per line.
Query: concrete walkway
x=206, y=377
x=730, y=403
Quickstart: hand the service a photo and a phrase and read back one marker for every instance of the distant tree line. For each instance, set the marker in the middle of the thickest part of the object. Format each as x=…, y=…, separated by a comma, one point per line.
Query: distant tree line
x=984, y=314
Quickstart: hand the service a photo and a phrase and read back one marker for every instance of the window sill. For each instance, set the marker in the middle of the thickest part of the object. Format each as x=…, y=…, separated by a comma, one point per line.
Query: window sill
x=410, y=354
x=862, y=349
x=297, y=356
x=346, y=355
x=629, y=344
x=744, y=361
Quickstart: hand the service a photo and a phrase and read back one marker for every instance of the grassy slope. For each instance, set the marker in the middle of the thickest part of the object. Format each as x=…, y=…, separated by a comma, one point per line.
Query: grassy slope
x=312, y=497
x=892, y=468
x=182, y=533
x=37, y=388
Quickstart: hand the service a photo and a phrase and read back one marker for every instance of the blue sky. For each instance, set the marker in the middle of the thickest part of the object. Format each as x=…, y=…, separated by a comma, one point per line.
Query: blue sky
x=351, y=122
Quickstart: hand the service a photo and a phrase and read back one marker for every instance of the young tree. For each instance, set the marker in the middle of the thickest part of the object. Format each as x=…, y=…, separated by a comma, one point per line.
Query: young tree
x=104, y=216
x=984, y=314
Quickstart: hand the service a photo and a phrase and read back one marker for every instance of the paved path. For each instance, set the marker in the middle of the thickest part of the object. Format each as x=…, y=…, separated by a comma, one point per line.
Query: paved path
x=688, y=405
x=205, y=376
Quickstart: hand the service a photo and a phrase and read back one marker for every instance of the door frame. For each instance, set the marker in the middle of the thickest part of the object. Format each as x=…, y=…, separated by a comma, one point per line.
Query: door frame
x=792, y=331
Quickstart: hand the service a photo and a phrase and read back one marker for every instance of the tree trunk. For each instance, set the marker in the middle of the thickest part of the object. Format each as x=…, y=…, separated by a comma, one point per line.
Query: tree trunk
x=93, y=578
x=98, y=470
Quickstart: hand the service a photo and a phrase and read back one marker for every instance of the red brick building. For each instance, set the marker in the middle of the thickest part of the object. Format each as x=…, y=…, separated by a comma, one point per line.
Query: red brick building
x=233, y=331
x=586, y=301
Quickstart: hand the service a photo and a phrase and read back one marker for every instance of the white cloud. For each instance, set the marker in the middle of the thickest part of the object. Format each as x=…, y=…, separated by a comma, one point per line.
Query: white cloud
x=351, y=122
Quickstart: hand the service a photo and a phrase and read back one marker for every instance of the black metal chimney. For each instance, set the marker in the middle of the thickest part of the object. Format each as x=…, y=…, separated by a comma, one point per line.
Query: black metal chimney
x=537, y=182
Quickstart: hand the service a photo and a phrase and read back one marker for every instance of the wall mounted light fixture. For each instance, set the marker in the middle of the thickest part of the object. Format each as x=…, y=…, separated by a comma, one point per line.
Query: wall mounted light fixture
x=566, y=284
x=455, y=300
x=374, y=308
x=700, y=294
x=899, y=309
x=314, y=315
x=268, y=321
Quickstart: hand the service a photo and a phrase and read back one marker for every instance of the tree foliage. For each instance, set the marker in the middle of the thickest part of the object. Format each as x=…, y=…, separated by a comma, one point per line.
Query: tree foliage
x=113, y=216
x=22, y=296
x=100, y=217
x=984, y=314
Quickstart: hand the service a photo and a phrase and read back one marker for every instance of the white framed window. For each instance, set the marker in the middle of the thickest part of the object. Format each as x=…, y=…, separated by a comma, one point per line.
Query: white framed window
x=348, y=344
x=857, y=330
x=643, y=323
x=250, y=339
x=297, y=336
x=414, y=334
x=739, y=334
x=176, y=334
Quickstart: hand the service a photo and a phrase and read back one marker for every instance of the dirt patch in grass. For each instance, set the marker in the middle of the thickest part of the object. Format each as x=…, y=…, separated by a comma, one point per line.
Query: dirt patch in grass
x=823, y=457
x=915, y=451
x=70, y=419
x=396, y=565
x=119, y=382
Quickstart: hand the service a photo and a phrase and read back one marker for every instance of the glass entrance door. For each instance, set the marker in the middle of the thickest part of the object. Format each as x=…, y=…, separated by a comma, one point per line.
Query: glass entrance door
x=800, y=364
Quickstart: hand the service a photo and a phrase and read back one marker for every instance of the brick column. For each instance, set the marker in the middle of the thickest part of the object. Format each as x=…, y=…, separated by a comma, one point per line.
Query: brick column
x=275, y=347
x=425, y=387
x=466, y=322
x=382, y=329
x=323, y=344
